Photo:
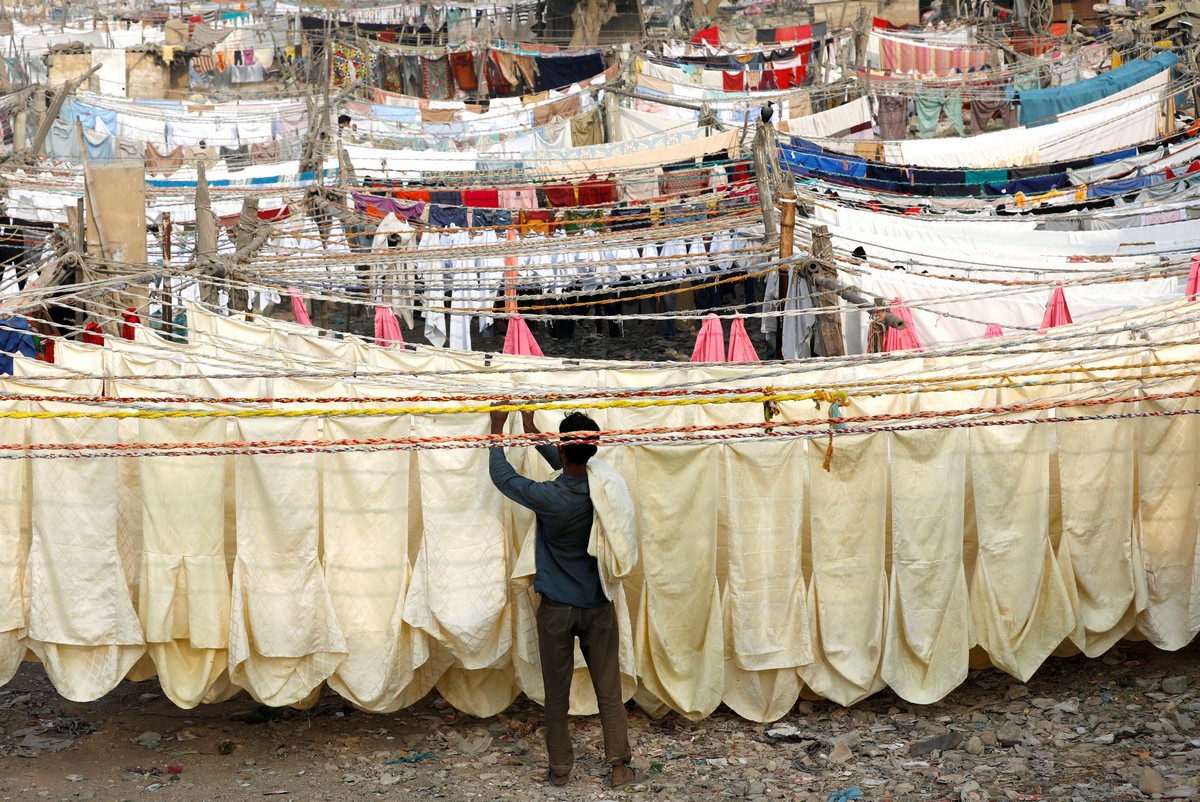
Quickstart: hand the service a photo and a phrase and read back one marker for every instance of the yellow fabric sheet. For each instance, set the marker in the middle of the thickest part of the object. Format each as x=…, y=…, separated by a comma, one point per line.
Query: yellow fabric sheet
x=459, y=592
x=1019, y=603
x=14, y=539
x=82, y=624
x=929, y=620
x=185, y=591
x=277, y=573
x=1168, y=495
x=364, y=506
x=678, y=637
x=848, y=593
x=1098, y=555
x=764, y=602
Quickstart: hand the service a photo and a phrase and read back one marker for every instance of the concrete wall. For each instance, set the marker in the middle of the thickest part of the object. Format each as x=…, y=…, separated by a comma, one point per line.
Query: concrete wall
x=67, y=67
x=146, y=77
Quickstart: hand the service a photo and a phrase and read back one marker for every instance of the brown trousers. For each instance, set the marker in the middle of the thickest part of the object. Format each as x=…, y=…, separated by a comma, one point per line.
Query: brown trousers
x=558, y=625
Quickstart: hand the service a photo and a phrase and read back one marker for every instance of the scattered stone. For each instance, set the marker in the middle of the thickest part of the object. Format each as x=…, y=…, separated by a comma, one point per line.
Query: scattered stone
x=1151, y=782
x=1015, y=692
x=1175, y=685
x=840, y=753
x=940, y=743
x=971, y=792
x=150, y=740
x=75, y=778
x=1010, y=735
x=975, y=745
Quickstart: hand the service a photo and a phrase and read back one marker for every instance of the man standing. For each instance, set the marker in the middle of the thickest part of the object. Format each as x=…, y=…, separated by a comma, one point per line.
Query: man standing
x=572, y=597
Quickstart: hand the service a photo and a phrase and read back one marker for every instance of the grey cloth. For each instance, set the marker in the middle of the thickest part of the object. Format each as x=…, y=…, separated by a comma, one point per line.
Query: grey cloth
x=893, y=117
x=797, y=326
x=985, y=107
x=565, y=571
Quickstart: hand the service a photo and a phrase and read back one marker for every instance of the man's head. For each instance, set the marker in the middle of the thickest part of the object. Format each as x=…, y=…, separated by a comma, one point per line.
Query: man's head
x=343, y=120
x=578, y=443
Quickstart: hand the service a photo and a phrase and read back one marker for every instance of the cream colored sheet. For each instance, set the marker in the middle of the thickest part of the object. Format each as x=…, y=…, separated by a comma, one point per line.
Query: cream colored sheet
x=459, y=592
x=764, y=602
x=82, y=623
x=1168, y=517
x=929, y=620
x=14, y=538
x=185, y=591
x=678, y=637
x=277, y=573
x=1098, y=554
x=1019, y=603
x=365, y=507
x=848, y=593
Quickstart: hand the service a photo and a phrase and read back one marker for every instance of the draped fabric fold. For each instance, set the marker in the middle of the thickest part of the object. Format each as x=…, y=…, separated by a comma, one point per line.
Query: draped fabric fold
x=277, y=572
x=82, y=624
x=366, y=511
x=184, y=594
x=848, y=592
x=679, y=639
x=465, y=544
x=1019, y=603
x=764, y=605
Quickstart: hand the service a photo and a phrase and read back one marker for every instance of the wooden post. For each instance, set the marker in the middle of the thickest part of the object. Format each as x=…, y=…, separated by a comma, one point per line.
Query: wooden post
x=829, y=321
x=787, y=239
x=75, y=224
x=168, y=305
x=206, y=234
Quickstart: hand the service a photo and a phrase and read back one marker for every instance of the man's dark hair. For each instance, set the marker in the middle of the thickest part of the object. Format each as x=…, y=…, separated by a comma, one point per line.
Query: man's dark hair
x=343, y=120
x=577, y=452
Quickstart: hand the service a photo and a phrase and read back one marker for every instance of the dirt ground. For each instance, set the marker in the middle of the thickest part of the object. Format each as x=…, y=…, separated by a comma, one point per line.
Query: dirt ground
x=1118, y=728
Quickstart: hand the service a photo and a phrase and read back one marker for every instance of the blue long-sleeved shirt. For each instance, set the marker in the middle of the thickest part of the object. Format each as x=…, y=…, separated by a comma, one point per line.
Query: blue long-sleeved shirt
x=566, y=573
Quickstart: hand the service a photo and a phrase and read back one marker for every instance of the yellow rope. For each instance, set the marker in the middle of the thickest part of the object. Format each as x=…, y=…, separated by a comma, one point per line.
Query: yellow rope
x=616, y=403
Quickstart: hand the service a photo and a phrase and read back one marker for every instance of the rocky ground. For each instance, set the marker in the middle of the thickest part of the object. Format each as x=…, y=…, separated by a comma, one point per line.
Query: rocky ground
x=1123, y=727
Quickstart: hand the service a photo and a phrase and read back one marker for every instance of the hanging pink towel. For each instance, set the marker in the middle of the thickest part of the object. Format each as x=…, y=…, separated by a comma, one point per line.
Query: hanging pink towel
x=298, y=308
x=1057, y=313
x=740, y=347
x=904, y=339
x=1193, y=284
x=993, y=331
x=519, y=339
x=387, y=328
x=710, y=342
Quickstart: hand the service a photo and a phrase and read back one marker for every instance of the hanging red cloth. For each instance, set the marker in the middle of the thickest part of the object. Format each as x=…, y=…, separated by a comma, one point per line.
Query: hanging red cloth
x=93, y=334
x=129, y=319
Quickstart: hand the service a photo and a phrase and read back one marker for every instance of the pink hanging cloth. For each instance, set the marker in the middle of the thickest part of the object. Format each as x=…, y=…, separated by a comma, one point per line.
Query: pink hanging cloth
x=1193, y=284
x=298, y=308
x=1057, y=313
x=740, y=347
x=901, y=339
x=387, y=328
x=518, y=340
x=993, y=331
x=710, y=342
